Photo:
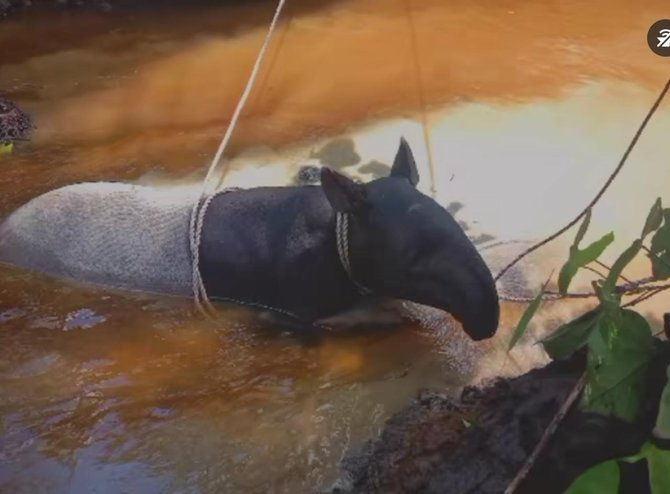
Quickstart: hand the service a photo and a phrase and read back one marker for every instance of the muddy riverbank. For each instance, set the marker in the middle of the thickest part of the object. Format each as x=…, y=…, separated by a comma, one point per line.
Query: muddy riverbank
x=478, y=443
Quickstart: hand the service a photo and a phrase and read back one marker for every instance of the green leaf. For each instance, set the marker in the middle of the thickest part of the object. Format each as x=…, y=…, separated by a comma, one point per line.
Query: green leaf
x=654, y=218
x=6, y=148
x=579, y=258
x=600, y=479
x=660, y=249
x=634, y=458
x=572, y=336
x=620, y=264
x=619, y=349
x=658, y=464
x=610, y=303
x=582, y=229
x=658, y=461
x=662, y=429
x=527, y=316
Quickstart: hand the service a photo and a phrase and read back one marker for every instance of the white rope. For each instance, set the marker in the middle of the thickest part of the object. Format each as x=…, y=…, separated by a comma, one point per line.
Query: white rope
x=341, y=233
x=425, y=124
x=202, y=202
x=342, y=240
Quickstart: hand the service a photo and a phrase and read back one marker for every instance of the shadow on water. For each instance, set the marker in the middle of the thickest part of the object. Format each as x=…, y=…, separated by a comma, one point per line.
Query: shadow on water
x=528, y=113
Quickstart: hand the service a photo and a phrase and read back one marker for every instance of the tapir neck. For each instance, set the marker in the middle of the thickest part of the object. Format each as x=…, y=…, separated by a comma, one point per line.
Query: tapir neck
x=275, y=247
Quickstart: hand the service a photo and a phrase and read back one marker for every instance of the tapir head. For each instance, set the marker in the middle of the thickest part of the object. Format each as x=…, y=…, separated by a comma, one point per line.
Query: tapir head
x=405, y=245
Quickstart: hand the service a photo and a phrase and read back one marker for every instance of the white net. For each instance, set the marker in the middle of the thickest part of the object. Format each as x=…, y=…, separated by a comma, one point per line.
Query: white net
x=119, y=235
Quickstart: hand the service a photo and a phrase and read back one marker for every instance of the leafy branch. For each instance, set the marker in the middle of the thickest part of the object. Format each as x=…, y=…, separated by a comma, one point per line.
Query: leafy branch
x=618, y=343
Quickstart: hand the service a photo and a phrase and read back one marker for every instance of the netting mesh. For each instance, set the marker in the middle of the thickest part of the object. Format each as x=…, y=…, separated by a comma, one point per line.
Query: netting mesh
x=113, y=234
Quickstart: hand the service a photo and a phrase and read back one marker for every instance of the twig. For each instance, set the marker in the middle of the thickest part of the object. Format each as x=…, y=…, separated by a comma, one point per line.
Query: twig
x=646, y=295
x=594, y=270
x=631, y=288
x=502, y=243
x=636, y=284
x=548, y=433
x=600, y=193
x=646, y=289
x=603, y=265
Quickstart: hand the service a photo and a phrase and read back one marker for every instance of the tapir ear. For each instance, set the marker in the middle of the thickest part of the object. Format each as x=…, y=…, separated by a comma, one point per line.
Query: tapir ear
x=404, y=165
x=344, y=195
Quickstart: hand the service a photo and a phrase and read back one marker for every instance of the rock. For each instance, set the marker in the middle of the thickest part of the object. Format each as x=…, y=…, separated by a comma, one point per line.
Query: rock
x=15, y=124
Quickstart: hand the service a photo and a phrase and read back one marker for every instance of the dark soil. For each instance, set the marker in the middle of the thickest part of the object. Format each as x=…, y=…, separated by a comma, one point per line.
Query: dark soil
x=8, y=7
x=478, y=443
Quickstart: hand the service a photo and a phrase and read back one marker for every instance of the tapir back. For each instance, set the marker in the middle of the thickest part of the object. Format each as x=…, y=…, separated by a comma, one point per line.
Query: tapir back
x=113, y=234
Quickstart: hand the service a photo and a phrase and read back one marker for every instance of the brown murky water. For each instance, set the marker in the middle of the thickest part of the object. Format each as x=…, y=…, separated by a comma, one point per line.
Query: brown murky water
x=530, y=106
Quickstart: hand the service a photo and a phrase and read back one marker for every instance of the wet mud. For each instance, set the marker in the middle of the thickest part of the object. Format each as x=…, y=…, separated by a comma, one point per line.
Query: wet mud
x=478, y=443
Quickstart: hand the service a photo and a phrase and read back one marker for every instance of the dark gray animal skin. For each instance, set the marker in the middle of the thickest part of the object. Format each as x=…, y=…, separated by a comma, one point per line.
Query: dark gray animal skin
x=273, y=247
x=276, y=246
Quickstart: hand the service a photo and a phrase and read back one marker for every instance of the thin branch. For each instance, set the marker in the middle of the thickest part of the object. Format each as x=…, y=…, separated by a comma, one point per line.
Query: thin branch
x=647, y=289
x=634, y=287
x=600, y=193
x=594, y=270
x=636, y=284
x=603, y=265
x=646, y=295
x=548, y=433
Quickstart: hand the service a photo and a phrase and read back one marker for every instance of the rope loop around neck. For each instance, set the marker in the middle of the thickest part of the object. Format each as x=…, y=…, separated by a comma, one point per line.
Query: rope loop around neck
x=342, y=237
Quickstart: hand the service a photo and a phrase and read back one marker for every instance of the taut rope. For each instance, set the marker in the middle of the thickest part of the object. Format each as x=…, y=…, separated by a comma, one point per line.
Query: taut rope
x=205, y=197
x=422, y=97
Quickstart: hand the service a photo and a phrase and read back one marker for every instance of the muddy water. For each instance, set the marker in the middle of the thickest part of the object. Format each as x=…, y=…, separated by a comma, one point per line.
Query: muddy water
x=529, y=106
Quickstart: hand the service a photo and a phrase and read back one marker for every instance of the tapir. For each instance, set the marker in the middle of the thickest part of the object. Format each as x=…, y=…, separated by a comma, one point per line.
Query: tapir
x=272, y=247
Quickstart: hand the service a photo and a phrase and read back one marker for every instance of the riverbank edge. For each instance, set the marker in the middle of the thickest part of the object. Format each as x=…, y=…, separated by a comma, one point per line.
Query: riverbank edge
x=478, y=442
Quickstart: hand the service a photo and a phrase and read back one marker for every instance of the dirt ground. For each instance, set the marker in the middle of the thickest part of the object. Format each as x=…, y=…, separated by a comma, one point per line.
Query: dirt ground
x=478, y=443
